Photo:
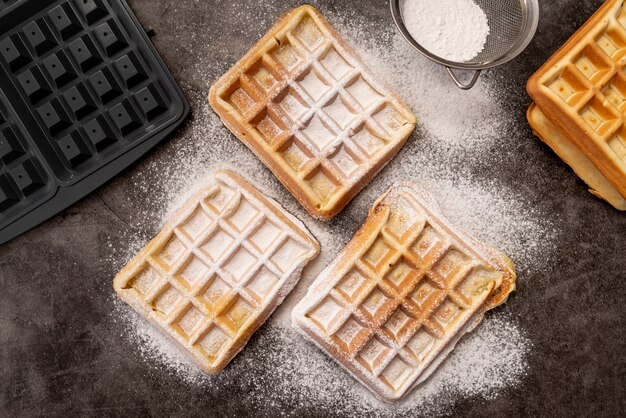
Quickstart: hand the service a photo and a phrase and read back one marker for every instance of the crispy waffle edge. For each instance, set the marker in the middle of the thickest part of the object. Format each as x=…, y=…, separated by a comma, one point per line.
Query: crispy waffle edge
x=598, y=185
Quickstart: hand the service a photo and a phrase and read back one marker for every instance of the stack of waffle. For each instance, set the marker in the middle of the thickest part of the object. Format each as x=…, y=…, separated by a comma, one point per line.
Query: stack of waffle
x=579, y=105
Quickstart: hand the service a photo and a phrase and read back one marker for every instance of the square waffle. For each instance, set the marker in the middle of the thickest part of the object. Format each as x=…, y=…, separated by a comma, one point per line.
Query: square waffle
x=303, y=101
x=398, y=297
x=582, y=90
x=217, y=270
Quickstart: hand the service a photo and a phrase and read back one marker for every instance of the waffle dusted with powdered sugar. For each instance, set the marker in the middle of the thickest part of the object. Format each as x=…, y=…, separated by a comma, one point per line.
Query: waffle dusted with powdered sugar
x=304, y=102
x=218, y=269
x=401, y=293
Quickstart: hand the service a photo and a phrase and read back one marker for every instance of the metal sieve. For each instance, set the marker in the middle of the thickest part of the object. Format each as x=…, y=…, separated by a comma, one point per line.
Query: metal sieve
x=512, y=25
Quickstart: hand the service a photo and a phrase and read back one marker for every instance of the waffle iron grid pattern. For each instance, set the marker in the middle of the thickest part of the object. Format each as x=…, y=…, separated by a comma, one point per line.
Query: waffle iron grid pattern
x=84, y=90
x=592, y=85
x=20, y=174
x=325, y=119
x=223, y=263
x=403, y=300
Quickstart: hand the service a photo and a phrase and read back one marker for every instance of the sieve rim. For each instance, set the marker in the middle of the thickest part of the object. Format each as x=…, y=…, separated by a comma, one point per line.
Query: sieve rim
x=530, y=22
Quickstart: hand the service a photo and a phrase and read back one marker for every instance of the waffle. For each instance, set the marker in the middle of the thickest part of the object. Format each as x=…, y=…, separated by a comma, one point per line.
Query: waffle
x=303, y=101
x=581, y=89
x=568, y=152
x=399, y=296
x=217, y=270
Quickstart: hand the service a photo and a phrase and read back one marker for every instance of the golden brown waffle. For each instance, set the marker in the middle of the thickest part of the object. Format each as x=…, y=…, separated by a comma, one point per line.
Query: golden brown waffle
x=217, y=270
x=399, y=296
x=584, y=168
x=582, y=90
x=303, y=101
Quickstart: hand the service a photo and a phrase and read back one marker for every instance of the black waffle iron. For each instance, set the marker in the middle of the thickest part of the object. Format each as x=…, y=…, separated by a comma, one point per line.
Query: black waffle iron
x=83, y=94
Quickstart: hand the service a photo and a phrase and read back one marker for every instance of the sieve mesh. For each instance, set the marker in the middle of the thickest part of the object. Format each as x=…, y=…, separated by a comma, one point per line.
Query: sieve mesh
x=505, y=19
x=506, y=28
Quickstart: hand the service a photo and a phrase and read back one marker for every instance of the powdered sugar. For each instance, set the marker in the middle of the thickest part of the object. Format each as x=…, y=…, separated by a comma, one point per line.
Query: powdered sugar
x=455, y=30
x=459, y=154
x=280, y=367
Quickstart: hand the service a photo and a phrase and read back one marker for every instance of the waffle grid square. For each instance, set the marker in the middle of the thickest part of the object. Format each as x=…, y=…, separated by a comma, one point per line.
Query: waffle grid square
x=405, y=288
x=300, y=99
x=210, y=294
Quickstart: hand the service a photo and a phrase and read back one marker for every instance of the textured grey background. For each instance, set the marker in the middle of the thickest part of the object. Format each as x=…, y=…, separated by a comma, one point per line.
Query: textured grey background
x=60, y=353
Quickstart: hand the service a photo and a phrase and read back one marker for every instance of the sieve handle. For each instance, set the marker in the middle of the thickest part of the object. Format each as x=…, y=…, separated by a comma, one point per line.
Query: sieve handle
x=458, y=82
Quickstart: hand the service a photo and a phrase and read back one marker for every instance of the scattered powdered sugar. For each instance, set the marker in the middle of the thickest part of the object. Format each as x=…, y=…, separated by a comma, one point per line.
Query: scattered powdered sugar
x=281, y=367
x=487, y=211
x=455, y=30
x=461, y=137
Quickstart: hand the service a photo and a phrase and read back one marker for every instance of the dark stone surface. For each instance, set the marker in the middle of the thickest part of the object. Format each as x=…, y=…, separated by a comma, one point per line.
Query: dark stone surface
x=60, y=352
